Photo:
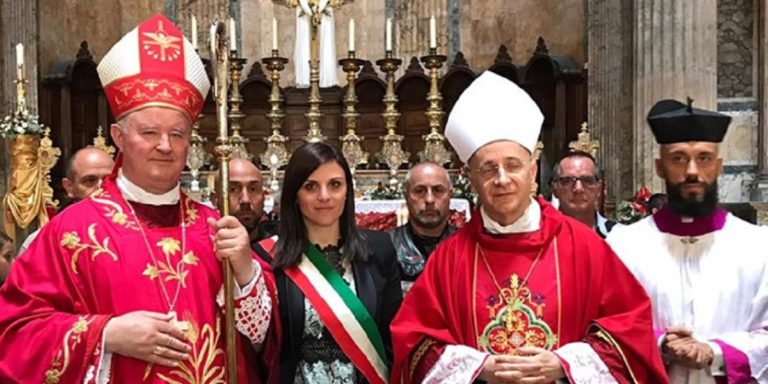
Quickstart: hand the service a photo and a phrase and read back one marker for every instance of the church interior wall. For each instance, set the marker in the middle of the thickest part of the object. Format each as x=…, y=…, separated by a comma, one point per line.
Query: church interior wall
x=737, y=96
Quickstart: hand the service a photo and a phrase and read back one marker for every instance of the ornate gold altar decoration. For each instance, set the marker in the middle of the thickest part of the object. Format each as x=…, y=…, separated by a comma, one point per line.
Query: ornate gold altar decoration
x=584, y=142
x=534, y=158
x=29, y=191
x=392, y=152
x=276, y=154
x=100, y=142
x=197, y=156
x=351, y=143
x=314, y=115
x=434, y=148
x=237, y=141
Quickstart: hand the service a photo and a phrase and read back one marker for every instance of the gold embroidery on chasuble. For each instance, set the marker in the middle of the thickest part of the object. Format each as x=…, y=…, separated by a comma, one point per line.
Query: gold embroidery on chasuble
x=190, y=211
x=170, y=270
x=71, y=240
x=516, y=321
x=72, y=339
x=113, y=210
x=201, y=367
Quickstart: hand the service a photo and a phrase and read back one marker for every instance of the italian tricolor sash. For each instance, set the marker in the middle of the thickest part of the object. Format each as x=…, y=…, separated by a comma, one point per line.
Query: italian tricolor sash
x=342, y=312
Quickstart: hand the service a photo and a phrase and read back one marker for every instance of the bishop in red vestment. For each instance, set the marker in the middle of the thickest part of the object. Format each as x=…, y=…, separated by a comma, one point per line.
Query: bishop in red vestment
x=522, y=294
x=122, y=287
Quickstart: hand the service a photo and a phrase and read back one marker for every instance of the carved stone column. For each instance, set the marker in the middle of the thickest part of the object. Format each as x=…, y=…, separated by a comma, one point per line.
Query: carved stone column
x=641, y=52
x=675, y=57
x=610, y=85
x=760, y=192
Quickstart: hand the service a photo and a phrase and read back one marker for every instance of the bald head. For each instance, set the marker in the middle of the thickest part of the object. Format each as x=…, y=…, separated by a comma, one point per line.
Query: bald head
x=246, y=192
x=85, y=171
x=428, y=197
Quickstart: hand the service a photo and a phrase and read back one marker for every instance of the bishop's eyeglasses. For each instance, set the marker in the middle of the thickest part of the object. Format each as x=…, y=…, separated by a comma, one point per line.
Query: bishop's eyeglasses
x=569, y=181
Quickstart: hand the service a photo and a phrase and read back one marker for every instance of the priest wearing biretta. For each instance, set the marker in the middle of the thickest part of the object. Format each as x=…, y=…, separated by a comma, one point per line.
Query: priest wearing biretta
x=705, y=269
x=126, y=285
x=522, y=293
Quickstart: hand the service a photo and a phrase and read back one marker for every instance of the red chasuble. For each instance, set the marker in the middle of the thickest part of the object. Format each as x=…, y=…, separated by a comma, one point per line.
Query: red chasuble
x=474, y=292
x=91, y=263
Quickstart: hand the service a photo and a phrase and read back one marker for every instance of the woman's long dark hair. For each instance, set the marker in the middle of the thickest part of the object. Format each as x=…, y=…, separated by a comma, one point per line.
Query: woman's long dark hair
x=292, y=234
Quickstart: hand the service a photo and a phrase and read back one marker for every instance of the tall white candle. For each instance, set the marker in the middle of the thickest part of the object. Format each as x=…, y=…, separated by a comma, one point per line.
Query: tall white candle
x=19, y=54
x=232, y=35
x=274, y=34
x=351, y=35
x=388, y=35
x=194, y=32
x=432, y=33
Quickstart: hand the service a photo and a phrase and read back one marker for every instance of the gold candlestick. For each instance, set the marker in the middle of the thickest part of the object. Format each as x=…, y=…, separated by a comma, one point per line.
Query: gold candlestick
x=392, y=152
x=434, y=149
x=276, y=154
x=351, y=145
x=235, y=115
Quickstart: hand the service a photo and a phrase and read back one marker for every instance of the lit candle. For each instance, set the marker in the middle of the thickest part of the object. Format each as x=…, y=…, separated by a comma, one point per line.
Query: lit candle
x=194, y=32
x=351, y=35
x=19, y=55
x=274, y=34
x=432, y=33
x=232, y=35
x=388, y=34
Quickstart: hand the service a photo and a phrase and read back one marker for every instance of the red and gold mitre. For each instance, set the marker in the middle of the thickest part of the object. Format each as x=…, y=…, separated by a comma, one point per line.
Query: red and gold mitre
x=154, y=65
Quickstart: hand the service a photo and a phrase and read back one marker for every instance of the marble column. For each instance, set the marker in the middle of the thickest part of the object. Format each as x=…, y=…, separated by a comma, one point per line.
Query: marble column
x=641, y=52
x=675, y=43
x=760, y=192
x=610, y=92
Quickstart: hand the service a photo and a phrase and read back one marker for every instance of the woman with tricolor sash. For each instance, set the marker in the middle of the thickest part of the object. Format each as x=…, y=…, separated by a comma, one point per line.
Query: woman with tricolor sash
x=338, y=286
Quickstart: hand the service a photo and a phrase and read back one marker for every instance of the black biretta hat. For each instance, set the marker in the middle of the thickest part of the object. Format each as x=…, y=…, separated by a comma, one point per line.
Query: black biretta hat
x=674, y=122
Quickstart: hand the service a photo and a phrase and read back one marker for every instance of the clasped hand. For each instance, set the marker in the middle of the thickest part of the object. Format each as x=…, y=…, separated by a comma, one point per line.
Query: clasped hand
x=680, y=345
x=529, y=366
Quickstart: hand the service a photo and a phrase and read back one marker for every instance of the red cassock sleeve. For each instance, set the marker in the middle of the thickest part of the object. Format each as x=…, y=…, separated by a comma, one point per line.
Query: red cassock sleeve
x=49, y=332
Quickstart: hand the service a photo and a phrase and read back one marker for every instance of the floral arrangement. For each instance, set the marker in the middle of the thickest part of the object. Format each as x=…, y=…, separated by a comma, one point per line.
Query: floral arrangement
x=462, y=189
x=634, y=209
x=392, y=192
x=20, y=123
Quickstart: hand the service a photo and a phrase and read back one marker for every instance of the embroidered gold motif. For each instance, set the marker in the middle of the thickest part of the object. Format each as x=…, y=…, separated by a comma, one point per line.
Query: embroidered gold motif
x=71, y=241
x=171, y=247
x=61, y=360
x=161, y=46
x=191, y=211
x=419, y=354
x=201, y=367
x=114, y=211
x=516, y=321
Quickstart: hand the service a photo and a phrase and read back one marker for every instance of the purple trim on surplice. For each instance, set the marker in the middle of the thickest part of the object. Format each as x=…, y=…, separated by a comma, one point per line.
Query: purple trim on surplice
x=669, y=222
x=736, y=365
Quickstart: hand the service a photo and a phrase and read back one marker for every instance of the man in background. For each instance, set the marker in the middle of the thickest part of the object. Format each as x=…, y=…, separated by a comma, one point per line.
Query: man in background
x=428, y=198
x=577, y=186
x=85, y=171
